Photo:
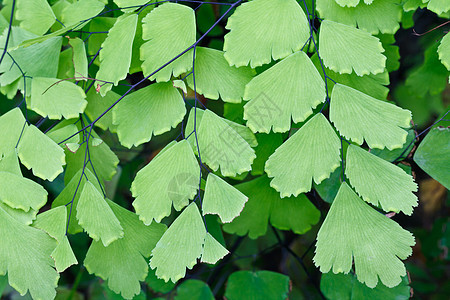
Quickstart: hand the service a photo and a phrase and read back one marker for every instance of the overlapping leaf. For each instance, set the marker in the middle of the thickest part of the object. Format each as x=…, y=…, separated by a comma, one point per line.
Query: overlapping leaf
x=114, y=65
x=345, y=49
x=353, y=231
x=264, y=204
x=392, y=191
x=80, y=10
x=123, y=262
x=12, y=124
x=97, y=105
x=55, y=98
x=222, y=199
x=171, y=177
x=287, y=91
x=35, y=15
x=213, y=251
x=311, y=153
x=79, y=59
x=225, y=81
x=360, y=117
x=169, y=30
x=262, y=30
x=438, y=6
x=156, y=108
x=444, y=51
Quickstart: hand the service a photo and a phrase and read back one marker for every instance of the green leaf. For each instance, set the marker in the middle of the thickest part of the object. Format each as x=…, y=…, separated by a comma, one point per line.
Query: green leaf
x=377, y=246
x=264, y=29
x=288, y=90
x=54, y=222
x=168, y=29
x=12, y=123
x=222, y=199
x=267, y=144
x=264, y=204
x=180, y=246
x=133, y=3
x=380, y=16
x=96, y=217
x=213, y=251
x=433, y=154
x=247, y=285
x=438, y=6
x=158, y=285
x=21, y=193
x=55, y=98
x=157, y=108
x=36, y=16
x=311, y=153
x=345, y=49
x=349, y=3
x=328, y=188
x=123, y=262
x=346, y=287
x=10, y=163
x=41, y=154
x=79, y=58
x=114, y=65
x=221, y=146
x=225, y=82
x=444, y=51
x=73, y=147
x=171, y=177
x=61, y=131
x=179, y=84
x=29, y=266
x=80, y=10
x=360, y=117
x=393, y=190
x=397, y=154
x=97, y=105
x=193, y=289
x=20, y=215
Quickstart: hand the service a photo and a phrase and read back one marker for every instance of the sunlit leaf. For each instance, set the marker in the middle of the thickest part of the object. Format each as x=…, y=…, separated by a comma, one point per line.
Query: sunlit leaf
x=393, y=190
x=222, y=199
x=80, y=10
x=225, y=82
x=213, y=251
x=13, y=123
x=114, y=65
x=10, y=163
x=360, y=117
x=157, y=108
x=171, y=177
x=438, y=6
x=311, y=153
x=168, y=29
x=345, y=49
x=41, y=154
x=264, y=204
x=123, y=262
x=444, y=51
x=35, y=15
x=79, y=58
x=376, y=247
x=55, y=98
x=287, y=91
x=262, y=30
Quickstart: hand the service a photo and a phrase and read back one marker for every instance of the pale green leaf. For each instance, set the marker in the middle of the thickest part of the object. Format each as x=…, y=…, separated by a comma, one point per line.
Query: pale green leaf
x=42, y=39
x=29, y=266
x=97, y=105
x=55, y=98
x=171, y=177
x=287, y=91
x=360, y=117
x=438, y=6
x=21, y=193
x=63, y=255
x=376, y=247
x=157, y=108
x=433, y=154
x=96, y=217
x=213, y=251
x=262, y=30
x=311, y=153
x=380, y=16
x=400, y=153
x=68, y=195
x=444, y=51
x=225, y=82
x=123, y=262
x=96, y=142
x=133, y=4
x=179, y=84
x=60, y=133
x=23, y=217
x=345, y=49
x=73, y=147
x=222, y=199
x=114, y=65
x=221, y=146
x=12, y=123
x=79, y=58
x=80, y=10
x=169, y=30
x=10, y=163
x=264, y=204
x=393, y=190
x=35, y=15
x=248, y=285
x=41, y=154
x=349, y=3
x=180, y=246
